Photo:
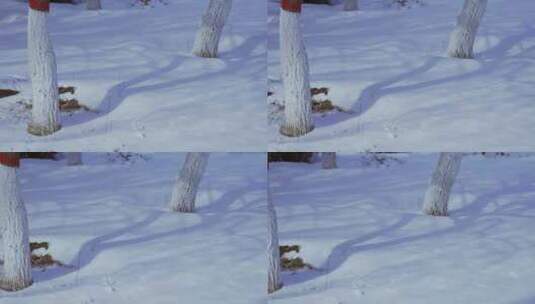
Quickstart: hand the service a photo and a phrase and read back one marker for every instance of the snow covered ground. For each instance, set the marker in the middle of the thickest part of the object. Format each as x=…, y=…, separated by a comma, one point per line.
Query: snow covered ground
x=363, y=228
x=133, y=65
x=109, y=221
x=388, y=68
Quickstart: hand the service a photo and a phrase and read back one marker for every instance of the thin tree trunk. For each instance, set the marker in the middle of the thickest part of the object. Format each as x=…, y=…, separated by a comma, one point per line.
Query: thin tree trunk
x=328, y=160
x=45, y=118
x=463, y=36
x=295, y=74
x=273, y=250
x=74, y=158
x=351, y=5
x=17, y=272
x=185, y=191
x=438, y=192
x=209, y=34
x=93, y=5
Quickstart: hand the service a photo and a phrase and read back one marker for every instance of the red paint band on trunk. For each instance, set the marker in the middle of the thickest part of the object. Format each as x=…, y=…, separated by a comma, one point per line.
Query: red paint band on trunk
x=293, y=6
x=40, y=5
x=10, y=159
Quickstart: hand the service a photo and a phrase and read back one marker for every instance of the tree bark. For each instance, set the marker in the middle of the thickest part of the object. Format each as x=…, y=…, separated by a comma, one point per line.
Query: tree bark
x=185, y=191
x=438, y=192
x=93, y=5
x=351, y=5
x=295, y=73
x=74, y=158
x=328, y=160
x=208, y=36
x=273, y=250
x=45, y=118
x=462, y=38
x=14, y=230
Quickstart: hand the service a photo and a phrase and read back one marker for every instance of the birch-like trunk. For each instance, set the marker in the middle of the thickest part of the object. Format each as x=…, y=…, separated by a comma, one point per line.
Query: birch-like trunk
x=14, y=231
x=208, y=36
x=351, y=5
x=328, y=160
x=93, y=5
x=463, y=36
x=185, y=191
x=45, y=118
x=273, y=250
x=295, y=73
x=74, y=158
x=438, y=192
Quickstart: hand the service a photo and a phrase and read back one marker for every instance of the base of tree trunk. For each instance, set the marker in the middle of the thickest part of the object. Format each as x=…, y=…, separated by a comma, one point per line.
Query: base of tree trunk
x=9, y=285
x=183, y=209
x=39, y=130
x=205, y=54
x=272, y=289
x=435, y=212
x=294, y=132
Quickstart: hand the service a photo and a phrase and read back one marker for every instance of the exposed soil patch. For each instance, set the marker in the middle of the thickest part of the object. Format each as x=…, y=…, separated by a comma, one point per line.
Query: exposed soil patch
x=292, y=263
x=42, y=260
x=7, y=93
x=320, y=102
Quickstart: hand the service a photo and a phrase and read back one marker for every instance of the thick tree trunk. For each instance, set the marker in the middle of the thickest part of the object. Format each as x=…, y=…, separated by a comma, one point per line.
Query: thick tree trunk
x=74, y=158
x=213, y=21
x=93, y=5
x=463, y=36
x=351, y=5
x=17, y=272
x=274, y=272
x=295, y=74
x=185, y=191
x=328, y=160
x=45, y=118
x=438, y=192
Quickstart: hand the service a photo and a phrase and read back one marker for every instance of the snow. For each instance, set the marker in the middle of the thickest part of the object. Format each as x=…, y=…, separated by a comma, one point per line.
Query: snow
x=110, y=221
x=135, y=67
x=389, y=69
x=363, y=227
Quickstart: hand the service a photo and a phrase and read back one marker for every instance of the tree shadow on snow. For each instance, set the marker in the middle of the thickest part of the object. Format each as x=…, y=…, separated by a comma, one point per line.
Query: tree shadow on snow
x=489, y=60
x=210, y=216
x=463, y=219
x=117, y=94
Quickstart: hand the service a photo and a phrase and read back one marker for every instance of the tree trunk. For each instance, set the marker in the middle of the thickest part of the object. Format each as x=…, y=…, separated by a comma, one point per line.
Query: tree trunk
x=351, y=5
x=438, y=192
x=17, y=272
x=183, y=197
x=45, y=118
x=274, y=272
x=463, y=36
x=295, y=74
x=93, y=5
x=74, y=158
x=328, y=160
x=213, y=21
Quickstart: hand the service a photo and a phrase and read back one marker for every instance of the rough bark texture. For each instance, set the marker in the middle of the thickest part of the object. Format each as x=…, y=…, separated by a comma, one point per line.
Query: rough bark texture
x=295, y=77
x=213, y=21
x=351, y=5
x=14, y=231
x=274, y=272
x=45, y=117
x=438, y=192
x=328, y=160
x=74, y=158
x=463, y=36
x=93, y=5
x=183, y=197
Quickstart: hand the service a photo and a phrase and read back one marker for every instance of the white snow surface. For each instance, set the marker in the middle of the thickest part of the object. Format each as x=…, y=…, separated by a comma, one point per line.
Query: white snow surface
x=363, y=227
x=110, y=223
x=134, y=66
x=389, y=69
